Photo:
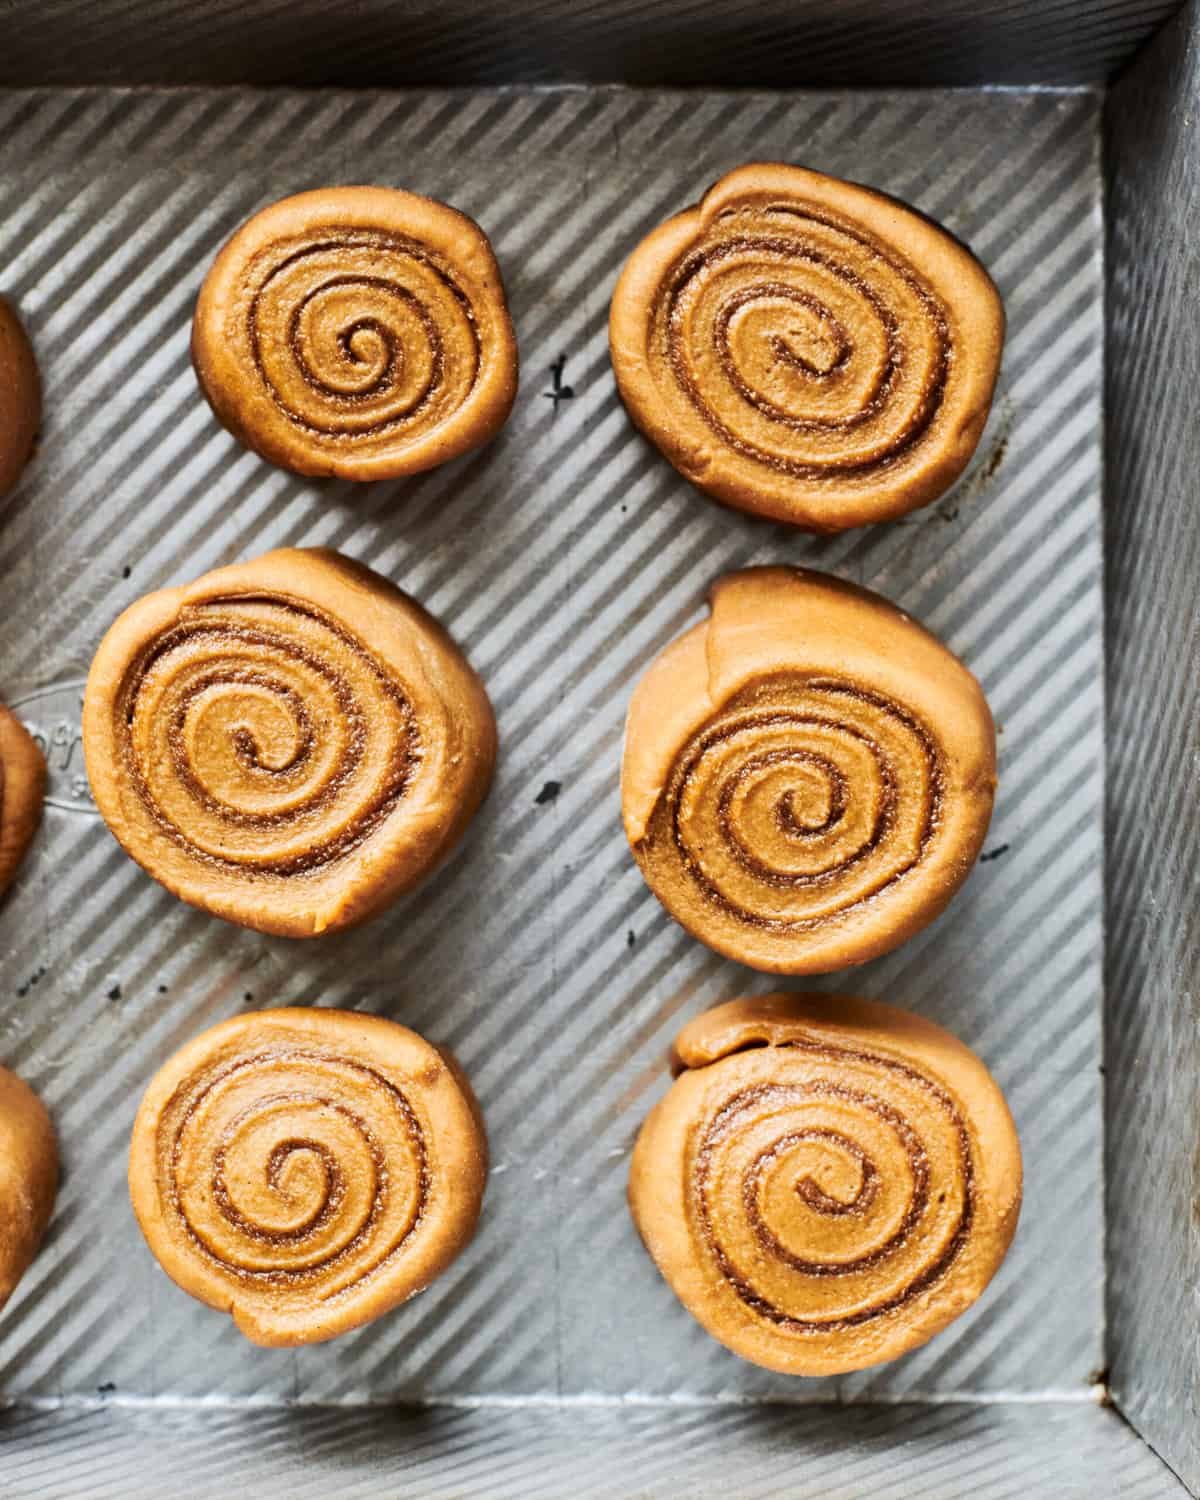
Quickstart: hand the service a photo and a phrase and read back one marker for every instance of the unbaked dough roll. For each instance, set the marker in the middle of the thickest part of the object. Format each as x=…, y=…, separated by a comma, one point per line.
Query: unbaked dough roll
x=808, y=774
x=22, y=790
x=28, y=1178
x=829, y=1181
x=357, y=331
x=307, y=1170
x=289, y=743
x=807, y=349
x=20, y=398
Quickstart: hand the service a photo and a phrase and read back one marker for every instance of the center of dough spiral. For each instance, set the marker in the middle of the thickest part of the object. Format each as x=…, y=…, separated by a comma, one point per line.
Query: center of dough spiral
x=803, y=800
x=263, y=737
x=836, y=1192
x=360, y=335
x=297, y=1168
x=804, y=343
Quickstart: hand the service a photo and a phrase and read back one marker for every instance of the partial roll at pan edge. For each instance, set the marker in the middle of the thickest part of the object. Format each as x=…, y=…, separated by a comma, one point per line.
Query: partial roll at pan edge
x=22, y=790
x=808, y=774
x=20, y=398
x=29, y=1172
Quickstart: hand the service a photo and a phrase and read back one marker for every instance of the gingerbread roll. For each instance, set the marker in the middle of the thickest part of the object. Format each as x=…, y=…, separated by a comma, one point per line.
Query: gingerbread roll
x=307, y=1170
x=360, y=332
x=806, y=349
x=829, y=1181
x=20, y=398
x=22, y=789
x=28, y=1178
x=808, y=774
x=289, y=743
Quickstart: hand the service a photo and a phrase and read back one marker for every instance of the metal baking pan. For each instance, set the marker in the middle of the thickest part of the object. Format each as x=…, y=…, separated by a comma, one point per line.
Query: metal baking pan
x=552, y=1359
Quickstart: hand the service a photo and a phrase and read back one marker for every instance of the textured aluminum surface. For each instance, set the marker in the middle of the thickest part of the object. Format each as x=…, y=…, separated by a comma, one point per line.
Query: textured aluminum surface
x=389, y=43
x=1067, y=1452
x=1154, y=708
x=563, y=558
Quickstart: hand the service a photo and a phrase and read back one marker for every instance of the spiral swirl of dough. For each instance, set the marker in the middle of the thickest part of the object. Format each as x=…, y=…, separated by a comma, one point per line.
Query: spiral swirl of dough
x=289, y=743
x=807, y=349
x=361, y=336
x=833, y=1201
x=302, y=1168
x=295, y=1167
x=263, y=737
x=361, y=332
x=846, y=1168
x=793, y=808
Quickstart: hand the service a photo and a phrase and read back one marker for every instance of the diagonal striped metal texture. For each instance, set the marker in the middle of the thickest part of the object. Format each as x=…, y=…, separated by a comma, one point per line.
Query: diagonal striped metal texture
x=563, y=558
x=1070, y=1451
x=1153, y=1040
x=760, y=43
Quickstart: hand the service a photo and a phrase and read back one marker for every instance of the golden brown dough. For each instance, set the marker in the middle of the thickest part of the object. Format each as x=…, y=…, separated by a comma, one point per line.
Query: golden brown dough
x=307, y=1170
x=807, y=349
x=808, y=774
x=28, y=1178
x=289, y=743
x=22, y=789
x=20, y=398
x=357, y=331
x=829, y=1181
